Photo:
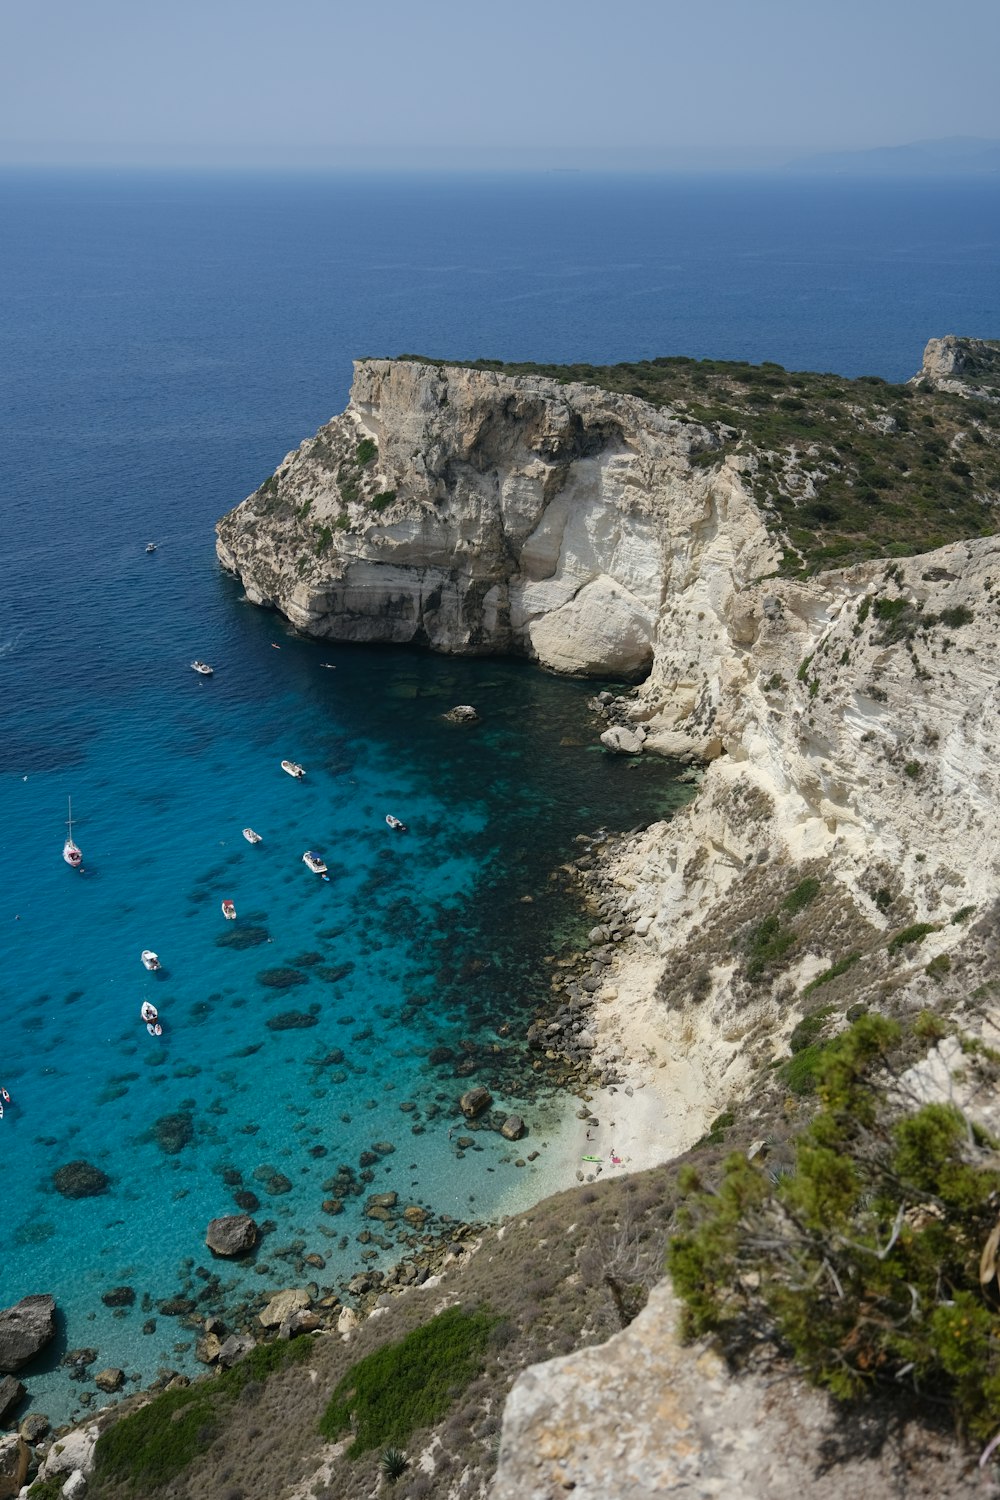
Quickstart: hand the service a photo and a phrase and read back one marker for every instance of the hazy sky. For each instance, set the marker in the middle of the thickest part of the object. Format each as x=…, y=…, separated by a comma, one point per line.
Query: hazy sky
x=548, y=82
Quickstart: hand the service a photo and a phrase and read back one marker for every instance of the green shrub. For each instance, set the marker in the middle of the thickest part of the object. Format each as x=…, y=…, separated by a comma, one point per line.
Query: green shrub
x=913, y=769
x=768, y=944
x=913, y=934
x=147, y=1448
x=959, y=615
x=382, y=500
x=150, y=1446
x=863, y=1263
x=323, y=541
x=833, y=972
x=809, y=1028
x=802, y=1070
x=963, y=914
x=410, y=1384
x=366, y=450
x=798, y=899
x=938, y=967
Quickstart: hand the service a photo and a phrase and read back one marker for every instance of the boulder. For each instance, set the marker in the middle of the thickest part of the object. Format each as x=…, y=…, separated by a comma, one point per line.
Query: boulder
x=74, y=1450
x=207, y=1349
x=513, y=1128
x=462, y=713
x=15, y=1456
x=11, y=1395
x=415, y=1215
x=474, y=1101
x=622, y=741
x=34, y=1427
x=80, y=1179
x=347, y=1323
x=232, y=1235
x=110, y=1380
x=302, y=1320
x=282, y=1305
x=234, y=1348
x=25, y=1328
x=75, y=1487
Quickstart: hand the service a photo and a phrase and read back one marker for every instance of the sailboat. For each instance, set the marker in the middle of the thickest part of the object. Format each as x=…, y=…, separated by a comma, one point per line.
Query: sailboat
x=72, y=853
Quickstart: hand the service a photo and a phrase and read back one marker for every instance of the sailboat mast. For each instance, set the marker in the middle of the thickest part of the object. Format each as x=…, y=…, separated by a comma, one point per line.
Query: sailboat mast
x=69, y=820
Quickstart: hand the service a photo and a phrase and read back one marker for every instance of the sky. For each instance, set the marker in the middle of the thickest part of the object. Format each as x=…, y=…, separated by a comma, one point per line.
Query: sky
x=545, y=83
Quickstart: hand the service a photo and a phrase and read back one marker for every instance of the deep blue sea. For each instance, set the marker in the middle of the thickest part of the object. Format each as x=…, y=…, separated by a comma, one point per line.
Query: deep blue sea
x=165, y=341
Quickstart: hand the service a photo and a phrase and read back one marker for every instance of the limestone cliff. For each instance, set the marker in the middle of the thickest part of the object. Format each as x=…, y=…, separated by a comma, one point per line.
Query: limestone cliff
x=475, y=512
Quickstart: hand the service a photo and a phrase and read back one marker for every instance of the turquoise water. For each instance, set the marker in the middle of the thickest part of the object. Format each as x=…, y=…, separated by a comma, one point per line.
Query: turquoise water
x=165, y=342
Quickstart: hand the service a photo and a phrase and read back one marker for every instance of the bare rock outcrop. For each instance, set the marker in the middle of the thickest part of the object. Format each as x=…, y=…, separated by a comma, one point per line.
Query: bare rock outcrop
x=645, y=1416
x=967, y=367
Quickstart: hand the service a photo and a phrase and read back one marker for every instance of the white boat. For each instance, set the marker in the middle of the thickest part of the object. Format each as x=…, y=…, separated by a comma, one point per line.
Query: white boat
x=229, y=910
x=202, y=668
x=148, y=1011
x=396, y=823
x=150, y=960
x=72, y=853
x=315, y=862
x=150, y=546
x=251, y=836
x=293, y=768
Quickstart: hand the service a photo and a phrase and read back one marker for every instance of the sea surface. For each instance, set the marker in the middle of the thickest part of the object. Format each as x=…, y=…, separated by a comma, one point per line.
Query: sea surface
x=165, y=341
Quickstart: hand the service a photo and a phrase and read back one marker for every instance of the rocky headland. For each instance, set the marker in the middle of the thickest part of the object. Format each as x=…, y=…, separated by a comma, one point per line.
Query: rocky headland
x=796, y=581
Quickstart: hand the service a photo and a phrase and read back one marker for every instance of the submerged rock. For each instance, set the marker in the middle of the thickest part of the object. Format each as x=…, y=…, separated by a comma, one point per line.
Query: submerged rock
x=173, y=1132
x=462, y=713
x=292, y=1020
x=25, y=1328
x=80, y=1179
x=119, y=1296
x=513, y=1128
x=232, y=1235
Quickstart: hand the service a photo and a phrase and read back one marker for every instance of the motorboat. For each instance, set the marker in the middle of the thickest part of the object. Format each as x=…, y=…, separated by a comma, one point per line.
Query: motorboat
x=72, y=853
x=315, y=862
x=251, y=836
x=395, y=823
x=150, y=546
x=229, y=910
x=150, y=960
x=293, y=768
x=150, y=1015
x=202, y=668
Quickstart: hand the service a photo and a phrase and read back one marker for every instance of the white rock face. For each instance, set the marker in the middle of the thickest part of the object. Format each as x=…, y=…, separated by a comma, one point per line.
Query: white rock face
x=72, y=1453
x=645, y=1416
x=500, y=514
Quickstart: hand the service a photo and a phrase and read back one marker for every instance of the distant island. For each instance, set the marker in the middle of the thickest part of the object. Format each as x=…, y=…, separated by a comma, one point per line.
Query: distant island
x=956, y=156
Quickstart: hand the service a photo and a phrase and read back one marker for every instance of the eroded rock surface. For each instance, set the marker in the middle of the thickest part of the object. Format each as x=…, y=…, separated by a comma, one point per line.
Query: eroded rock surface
x=644, y=1416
